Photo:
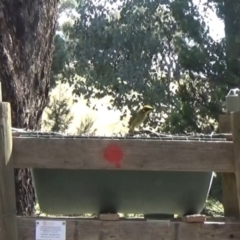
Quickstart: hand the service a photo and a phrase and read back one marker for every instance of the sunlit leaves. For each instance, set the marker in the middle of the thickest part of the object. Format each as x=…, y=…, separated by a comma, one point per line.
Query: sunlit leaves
x=131, y=43
x=139, y=51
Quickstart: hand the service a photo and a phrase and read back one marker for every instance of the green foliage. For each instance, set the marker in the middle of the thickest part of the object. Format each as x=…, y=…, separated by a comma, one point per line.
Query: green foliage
x=115, y=51
x=59, y=115
x=140, y=51
x=213, y=208
x=86, y=126
x=59, y=54
x=62, y=54
x=66, y=6
x=61, y=64
x=205, y=62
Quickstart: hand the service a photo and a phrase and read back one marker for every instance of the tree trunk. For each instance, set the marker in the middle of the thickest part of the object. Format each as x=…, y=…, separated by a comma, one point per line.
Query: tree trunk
x=27, y=30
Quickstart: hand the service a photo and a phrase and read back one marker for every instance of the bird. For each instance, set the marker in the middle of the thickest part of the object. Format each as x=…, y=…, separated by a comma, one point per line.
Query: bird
x=138, y=118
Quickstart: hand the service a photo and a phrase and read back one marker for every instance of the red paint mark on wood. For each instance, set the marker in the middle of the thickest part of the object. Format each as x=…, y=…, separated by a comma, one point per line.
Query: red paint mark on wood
x=113, y=154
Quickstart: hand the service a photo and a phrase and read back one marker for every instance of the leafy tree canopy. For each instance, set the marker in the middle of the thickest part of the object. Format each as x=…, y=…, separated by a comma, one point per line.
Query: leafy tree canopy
x=150, y=52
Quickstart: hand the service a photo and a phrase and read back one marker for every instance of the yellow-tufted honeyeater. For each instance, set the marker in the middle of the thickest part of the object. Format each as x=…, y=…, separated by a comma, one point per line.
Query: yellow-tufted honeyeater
x=138, y=118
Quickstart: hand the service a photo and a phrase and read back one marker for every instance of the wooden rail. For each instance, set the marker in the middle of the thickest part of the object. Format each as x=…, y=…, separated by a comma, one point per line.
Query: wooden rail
x=229, y=188
x=136, y=154
x=137, y=230
x=8, y=224
x=128, y=154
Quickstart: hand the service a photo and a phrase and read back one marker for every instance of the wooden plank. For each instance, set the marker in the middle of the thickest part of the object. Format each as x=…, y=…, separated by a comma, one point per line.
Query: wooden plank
x=235, y=124
x=196, y=218
x=224, y=123
x=125, y=154
x=136, y=230
x=109, y=217
x=229, y=195
x=213, y=219
x=0, y=92
x=8, y=223
x=229, y=188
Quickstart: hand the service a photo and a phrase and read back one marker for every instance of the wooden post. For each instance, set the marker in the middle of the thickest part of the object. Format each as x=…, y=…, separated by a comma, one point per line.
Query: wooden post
x=229, y=188
x=0, y=92
x=235, y=124
x=8, y=221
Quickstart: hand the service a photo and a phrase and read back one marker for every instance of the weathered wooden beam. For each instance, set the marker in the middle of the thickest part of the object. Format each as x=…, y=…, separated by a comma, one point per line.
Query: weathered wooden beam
x=136, y=230
x=224, y=123
x=123, y=154
x=229, y=188
x=8, y=223
x=0, y=92
x=235, y=125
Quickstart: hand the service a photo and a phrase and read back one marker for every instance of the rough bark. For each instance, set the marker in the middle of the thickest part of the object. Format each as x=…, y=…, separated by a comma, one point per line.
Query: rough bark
x=26, y=45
